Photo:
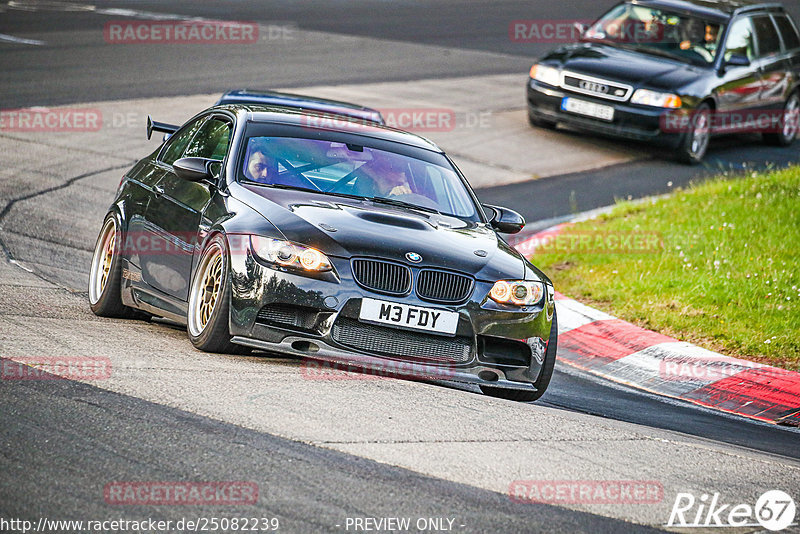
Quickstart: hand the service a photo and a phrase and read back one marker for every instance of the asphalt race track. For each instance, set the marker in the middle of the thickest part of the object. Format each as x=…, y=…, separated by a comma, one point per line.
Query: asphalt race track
x=322, y=451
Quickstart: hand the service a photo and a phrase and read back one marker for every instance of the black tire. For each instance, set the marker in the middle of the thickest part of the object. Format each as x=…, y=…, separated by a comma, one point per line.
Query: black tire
x=105, y=297
x=694, y=144
x=538, y=122
x=789, y=125
x=522, y=395
x=212, y=334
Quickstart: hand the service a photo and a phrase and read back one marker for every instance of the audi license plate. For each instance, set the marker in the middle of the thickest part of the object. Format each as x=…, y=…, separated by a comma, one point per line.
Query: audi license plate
x=589, y=109
x=414, y=317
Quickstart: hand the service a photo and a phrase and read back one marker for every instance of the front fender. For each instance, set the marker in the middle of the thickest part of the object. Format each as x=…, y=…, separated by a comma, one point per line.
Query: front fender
x=235, y=221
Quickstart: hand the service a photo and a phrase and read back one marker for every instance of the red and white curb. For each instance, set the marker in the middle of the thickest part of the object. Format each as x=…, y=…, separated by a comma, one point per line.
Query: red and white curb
x=605, y=346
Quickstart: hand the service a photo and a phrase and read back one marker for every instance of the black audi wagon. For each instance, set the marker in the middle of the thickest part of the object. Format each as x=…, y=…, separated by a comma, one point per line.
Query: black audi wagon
x=676, y=72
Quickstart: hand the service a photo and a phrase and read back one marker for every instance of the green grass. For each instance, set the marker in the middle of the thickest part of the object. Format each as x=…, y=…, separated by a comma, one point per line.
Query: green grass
x=726, y=274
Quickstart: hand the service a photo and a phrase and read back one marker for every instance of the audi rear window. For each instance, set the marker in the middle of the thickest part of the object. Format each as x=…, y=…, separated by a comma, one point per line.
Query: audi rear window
x=788, y=31
x=767, y=36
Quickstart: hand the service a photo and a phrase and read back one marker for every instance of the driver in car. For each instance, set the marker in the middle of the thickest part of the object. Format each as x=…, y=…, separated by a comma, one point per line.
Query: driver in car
x=259, y=168
x=387, y=177
x=708, y=46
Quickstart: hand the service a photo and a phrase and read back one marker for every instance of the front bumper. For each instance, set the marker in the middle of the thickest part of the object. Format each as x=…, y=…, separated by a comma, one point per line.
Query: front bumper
x=317, y=318
x=380, y=367
x=638, y=123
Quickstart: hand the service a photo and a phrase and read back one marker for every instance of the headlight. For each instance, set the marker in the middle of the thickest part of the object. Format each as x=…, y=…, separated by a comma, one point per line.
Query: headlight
x=288, y=254
x=645, y=97
x=545, y=74
x=517, y=292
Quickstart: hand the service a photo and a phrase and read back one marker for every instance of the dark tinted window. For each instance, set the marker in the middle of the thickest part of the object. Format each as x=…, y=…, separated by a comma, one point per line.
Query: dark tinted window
x=788, y=31
x=650, y=29
x=767, y=36
x=211, y=141
x=178, y=142
x=360, y=171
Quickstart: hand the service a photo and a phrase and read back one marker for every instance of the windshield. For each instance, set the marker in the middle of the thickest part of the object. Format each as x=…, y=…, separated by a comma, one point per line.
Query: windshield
x=682, y=37
x=347, y=169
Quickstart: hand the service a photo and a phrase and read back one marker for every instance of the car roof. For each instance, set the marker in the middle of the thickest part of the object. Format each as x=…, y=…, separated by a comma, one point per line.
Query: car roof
x=295, y=101
x=716, y=9
x=330, y=122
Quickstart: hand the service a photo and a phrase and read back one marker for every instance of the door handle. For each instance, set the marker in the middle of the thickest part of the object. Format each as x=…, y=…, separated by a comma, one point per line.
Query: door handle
x=158, y=190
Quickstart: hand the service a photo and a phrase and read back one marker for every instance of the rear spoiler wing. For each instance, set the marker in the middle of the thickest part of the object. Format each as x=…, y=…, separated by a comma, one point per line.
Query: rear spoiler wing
x=153, y=126
x=302, y=102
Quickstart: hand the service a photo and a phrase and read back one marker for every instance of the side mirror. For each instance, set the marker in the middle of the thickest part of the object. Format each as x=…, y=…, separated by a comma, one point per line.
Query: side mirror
x=505, y=220
x=195, y=169
x=737, y=60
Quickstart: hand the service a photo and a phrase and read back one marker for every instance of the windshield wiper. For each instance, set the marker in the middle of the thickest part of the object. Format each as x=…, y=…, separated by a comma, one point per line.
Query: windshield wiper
x=393, y=202
x=659, y=52
x=295, y=188
x=378, y=200
x=283, y=186
x=602, y=40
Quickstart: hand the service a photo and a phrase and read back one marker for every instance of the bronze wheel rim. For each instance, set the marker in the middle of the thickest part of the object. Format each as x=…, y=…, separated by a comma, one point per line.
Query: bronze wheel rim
x=206, y=290
x=102, y=261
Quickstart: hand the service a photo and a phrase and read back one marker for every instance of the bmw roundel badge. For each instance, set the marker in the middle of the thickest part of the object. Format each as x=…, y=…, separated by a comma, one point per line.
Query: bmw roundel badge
x=413, y=257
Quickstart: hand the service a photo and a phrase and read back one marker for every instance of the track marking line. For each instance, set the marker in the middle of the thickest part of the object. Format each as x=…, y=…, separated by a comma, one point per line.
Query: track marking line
x=20, y=40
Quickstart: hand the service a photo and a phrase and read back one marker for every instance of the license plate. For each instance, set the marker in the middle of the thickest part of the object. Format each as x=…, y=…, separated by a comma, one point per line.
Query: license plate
x=589, y=109
x=405, y=316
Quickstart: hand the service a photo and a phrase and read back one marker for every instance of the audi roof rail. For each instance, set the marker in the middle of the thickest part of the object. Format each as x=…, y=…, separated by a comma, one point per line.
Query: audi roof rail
x=759, y=7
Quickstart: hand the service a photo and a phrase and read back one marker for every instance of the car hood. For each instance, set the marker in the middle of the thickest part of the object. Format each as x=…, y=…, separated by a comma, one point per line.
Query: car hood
x=635, y=68
x=347, y=227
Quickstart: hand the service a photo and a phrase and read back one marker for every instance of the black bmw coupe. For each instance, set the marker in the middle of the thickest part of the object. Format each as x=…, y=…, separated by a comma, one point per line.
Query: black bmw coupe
x=676, y=72
x=329, y=237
